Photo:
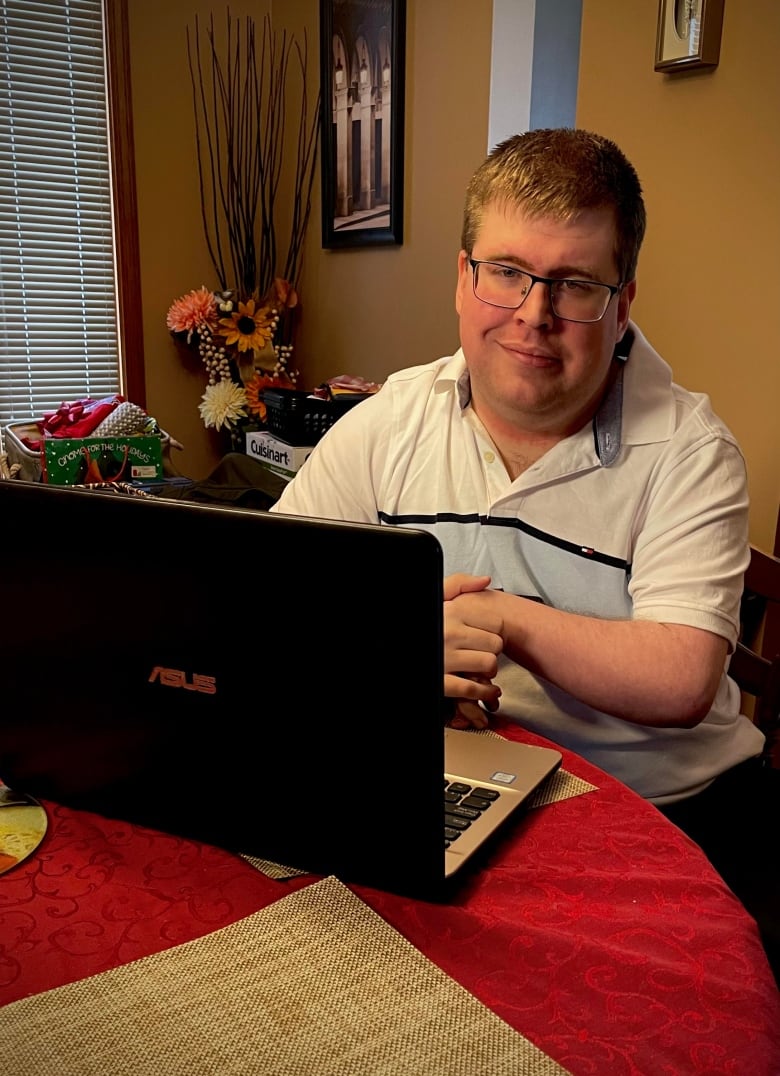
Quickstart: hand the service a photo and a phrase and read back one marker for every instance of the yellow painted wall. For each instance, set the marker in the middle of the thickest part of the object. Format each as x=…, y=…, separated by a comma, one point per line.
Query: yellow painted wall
x=707, y=148
x=706, y=145
x=366, y=311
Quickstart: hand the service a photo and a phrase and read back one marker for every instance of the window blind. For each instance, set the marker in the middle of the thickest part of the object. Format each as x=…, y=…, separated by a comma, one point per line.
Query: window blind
x=58, y=305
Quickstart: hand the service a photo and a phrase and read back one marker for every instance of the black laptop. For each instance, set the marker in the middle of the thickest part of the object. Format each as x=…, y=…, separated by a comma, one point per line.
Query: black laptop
x=270, y=684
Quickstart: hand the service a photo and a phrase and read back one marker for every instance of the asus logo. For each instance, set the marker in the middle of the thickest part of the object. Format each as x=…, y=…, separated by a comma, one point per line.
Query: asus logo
x=178, y=678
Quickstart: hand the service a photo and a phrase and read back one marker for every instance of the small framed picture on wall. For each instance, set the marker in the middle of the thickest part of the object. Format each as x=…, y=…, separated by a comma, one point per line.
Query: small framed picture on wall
x=688, y=34
x=362, y=62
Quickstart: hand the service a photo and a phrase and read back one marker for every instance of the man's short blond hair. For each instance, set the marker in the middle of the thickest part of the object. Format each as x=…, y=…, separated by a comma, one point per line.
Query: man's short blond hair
x=557, y=172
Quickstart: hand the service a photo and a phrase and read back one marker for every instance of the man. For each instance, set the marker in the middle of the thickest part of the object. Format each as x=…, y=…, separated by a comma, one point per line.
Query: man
x=593, y=514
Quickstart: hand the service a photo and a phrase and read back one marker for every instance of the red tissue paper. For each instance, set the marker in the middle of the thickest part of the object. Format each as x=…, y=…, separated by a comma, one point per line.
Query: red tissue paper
x=76, y=419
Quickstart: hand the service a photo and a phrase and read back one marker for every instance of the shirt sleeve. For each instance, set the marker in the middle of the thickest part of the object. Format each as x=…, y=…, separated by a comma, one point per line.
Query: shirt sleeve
x=340, y=478
x=691, y=554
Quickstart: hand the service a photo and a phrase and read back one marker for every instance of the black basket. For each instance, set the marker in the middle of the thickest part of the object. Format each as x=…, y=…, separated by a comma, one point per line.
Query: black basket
x=301, y=419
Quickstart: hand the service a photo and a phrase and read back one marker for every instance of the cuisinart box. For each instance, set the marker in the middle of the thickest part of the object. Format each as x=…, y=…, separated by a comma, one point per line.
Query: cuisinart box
x=275, y=453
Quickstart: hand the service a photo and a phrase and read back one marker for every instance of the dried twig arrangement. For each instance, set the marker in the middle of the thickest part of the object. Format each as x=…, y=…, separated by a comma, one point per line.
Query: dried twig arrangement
x=240, y=102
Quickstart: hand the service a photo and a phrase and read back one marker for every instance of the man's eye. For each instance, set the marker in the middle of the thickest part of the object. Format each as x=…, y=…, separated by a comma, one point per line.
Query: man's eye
x=504, y=272
x=575, y=287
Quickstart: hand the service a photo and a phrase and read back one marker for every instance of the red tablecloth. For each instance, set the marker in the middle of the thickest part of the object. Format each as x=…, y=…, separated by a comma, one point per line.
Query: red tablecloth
x=599, y=931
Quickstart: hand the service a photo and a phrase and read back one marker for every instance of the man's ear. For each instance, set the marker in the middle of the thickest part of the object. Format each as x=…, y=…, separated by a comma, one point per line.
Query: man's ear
x=464, y=269
x=625, y=299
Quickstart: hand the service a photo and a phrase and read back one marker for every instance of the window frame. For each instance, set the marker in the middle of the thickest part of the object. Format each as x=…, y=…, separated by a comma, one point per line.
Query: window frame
x=120, y=368
x=127, y=258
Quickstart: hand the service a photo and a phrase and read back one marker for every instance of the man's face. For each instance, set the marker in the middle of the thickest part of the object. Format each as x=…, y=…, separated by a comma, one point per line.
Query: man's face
x=530, y=369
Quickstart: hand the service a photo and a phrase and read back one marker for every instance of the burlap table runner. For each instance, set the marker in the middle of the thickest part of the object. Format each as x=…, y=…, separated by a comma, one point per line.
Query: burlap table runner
x=561, y=785
x=316, y=984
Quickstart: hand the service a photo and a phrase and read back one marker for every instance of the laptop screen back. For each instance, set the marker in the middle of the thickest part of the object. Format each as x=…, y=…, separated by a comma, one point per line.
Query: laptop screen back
x=266, y=683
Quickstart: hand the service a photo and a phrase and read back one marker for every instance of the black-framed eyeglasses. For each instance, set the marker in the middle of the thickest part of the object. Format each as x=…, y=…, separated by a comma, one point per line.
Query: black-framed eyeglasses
x=571, y=300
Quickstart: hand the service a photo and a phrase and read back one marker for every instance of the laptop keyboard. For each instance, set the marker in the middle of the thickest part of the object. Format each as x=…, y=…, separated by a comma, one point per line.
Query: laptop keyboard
x=464, y=804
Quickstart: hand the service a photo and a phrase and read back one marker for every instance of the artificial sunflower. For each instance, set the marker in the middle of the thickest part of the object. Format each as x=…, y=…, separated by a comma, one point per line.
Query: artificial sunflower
x=249, y=329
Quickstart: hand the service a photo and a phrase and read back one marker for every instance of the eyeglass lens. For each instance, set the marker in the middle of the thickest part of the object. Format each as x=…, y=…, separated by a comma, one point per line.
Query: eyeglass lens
x=572, y=300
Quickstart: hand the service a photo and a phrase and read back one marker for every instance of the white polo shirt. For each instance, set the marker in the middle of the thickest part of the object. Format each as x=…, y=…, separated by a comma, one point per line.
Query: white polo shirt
x=642, y=514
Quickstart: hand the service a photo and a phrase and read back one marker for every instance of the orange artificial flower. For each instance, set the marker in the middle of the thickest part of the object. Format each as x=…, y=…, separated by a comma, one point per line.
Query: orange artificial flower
x=192, y=310
x=256, y=387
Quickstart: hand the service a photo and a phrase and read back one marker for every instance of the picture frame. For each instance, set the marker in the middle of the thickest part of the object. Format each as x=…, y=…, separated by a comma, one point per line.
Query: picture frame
x=688, y=35
x=363, y=75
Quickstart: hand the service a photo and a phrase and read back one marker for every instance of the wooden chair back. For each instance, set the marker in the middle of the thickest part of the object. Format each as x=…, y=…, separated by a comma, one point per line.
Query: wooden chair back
x=755, y=664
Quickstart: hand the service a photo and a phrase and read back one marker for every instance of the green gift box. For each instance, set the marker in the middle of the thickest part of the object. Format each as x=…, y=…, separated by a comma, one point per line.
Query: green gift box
x=71, y=461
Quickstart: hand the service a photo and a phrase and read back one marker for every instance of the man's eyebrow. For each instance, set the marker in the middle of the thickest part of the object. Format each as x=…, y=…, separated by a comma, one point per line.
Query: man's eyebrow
x=577, y=272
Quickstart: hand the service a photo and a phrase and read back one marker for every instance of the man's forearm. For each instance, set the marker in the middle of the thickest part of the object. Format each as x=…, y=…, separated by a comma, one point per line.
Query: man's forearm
x=644, y=672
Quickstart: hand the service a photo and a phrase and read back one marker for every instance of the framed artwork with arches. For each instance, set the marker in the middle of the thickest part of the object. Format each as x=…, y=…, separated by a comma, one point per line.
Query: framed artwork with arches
x=362, y=72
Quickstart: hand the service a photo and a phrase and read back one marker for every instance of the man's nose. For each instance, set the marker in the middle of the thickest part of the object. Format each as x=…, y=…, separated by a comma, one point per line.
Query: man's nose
x=536, y=309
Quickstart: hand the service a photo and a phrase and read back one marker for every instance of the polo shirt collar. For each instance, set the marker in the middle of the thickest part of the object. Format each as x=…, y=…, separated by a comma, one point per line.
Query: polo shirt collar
x=608, y=420
x=638, y=408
